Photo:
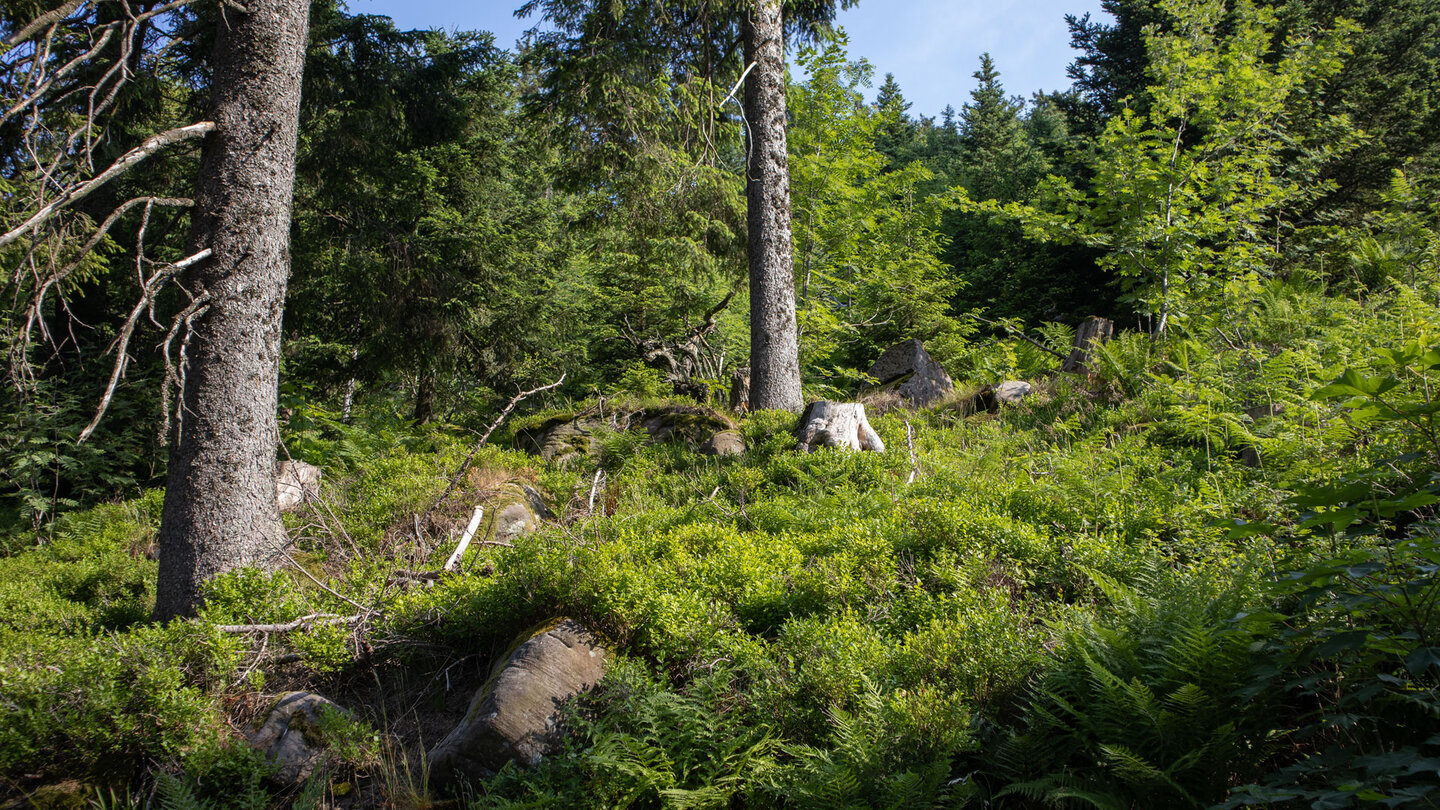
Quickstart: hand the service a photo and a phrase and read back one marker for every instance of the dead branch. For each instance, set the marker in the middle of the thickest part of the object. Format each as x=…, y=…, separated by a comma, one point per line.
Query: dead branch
x=286, y=627
x=599, y=476
x=122, y=341
x=127, y=161
x=322, y=585
x=45, y=20
x=484, y=437
x=1017, y=333
x=465, y=539
x=914, y=461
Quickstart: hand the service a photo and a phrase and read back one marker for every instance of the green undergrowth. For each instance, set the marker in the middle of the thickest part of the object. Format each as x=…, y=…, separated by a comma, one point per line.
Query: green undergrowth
x=1202, y=576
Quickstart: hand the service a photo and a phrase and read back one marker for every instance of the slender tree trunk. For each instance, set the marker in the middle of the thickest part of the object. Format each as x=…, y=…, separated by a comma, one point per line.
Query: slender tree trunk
x=424, y=397
x=774, y=342
x=220, y=509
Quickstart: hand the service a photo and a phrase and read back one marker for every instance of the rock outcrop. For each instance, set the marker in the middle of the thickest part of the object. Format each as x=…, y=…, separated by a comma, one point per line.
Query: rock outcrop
x=515, y=717
x=562, y=440
x=291, y=738
x=913, y=374
x=296, y=482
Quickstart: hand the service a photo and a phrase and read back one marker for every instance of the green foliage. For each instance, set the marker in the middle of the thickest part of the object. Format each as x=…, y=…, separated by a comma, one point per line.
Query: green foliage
x=866, y=235
x=1191, y=194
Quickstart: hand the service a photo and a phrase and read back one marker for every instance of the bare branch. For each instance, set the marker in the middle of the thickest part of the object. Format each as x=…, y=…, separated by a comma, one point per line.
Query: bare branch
x=127, y=161
x=59, y=74
x=465, y=465
x=45, y=20
x=122, y=341
x=286, y=627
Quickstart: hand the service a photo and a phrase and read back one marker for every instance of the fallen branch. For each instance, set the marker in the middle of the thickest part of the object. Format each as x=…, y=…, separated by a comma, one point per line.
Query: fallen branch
x=1013, y=332
x=465, y=539
x=469, y=457
x=599, y=476
x=286, y=627
x=914, y=461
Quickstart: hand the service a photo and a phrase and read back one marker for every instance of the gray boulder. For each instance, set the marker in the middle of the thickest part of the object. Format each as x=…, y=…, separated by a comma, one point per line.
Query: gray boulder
x=291, y=738
x=916, y=377
x=724, y=443
x=1012, y=391
x=295, y=482
x=518, y=509
x=515, y=717
x=562, y=441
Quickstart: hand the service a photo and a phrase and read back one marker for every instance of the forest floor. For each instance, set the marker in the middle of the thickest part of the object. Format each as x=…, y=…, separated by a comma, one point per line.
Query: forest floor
x=1198, y=577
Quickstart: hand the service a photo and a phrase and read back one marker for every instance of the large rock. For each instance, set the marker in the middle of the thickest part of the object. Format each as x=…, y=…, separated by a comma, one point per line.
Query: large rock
x=914, y=374
x=517, y=509
x=1012, y=391
x=296, y=482
x=724, y=443
x=515, y=717
x=693, y=425
x=562, y=441
x=291, y=738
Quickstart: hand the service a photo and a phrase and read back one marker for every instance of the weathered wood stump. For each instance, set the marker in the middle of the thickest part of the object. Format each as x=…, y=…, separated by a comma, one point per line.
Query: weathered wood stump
x=837, y=424
x=1093, y=330
x=740, y=389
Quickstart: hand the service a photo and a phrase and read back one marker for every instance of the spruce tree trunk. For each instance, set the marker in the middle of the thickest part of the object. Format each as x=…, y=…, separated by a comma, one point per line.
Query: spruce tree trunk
x=220, y=506
x=774, y=342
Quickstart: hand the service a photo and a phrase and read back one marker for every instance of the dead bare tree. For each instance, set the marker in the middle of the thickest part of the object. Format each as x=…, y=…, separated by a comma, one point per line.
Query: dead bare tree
x=687, y=357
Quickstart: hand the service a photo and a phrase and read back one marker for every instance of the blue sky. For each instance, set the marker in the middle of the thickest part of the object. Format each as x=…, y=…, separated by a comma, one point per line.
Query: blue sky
x=932, y=46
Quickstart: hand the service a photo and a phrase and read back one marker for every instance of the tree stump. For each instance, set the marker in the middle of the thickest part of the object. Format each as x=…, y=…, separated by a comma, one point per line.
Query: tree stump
x=1092, y=330
x=740, y=389
x=837, y=424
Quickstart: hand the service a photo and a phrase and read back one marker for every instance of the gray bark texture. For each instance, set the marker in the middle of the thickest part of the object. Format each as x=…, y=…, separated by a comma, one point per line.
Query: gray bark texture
x=220, y=507
x=1093, y=330
x=774, y=340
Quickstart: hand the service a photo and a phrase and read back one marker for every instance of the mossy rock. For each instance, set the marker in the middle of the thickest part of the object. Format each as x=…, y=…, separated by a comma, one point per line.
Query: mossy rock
x=561, y=440
x=291, y=739
x=67, y=795
x=515, y=716
x=564, y=439
x=515, y=508
x=692, y=424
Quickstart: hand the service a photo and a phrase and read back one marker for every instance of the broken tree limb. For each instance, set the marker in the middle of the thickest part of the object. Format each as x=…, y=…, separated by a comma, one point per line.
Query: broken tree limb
x=286, y=627
x=914, y=461
x=1092, y=331
x=469, y=457
x=465, y=539
x=837, y=424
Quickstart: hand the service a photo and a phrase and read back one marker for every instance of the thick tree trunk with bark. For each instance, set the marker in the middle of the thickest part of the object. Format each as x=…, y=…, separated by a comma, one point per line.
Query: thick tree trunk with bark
x=774, y=341
x=220, y=507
